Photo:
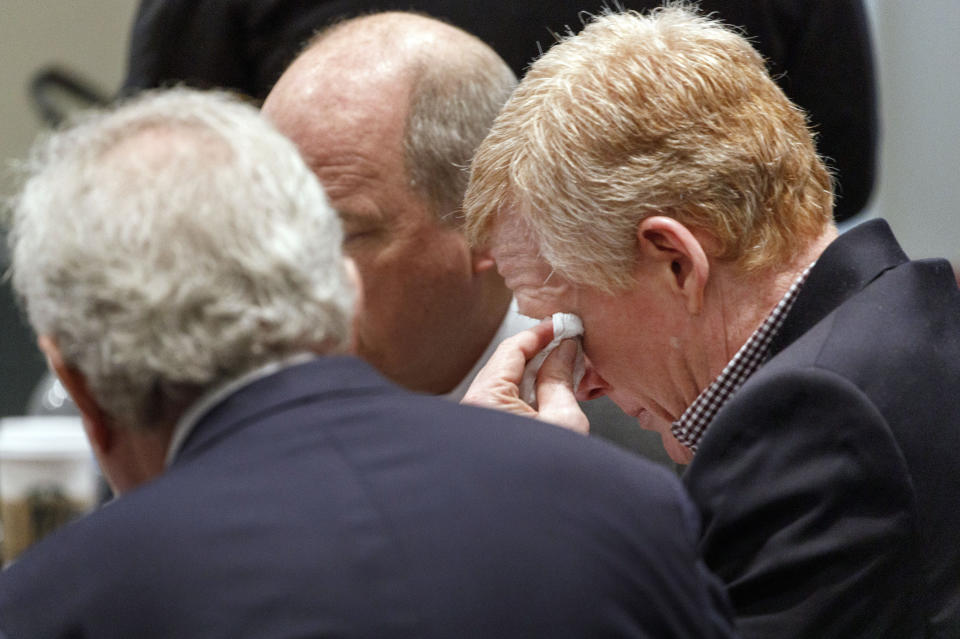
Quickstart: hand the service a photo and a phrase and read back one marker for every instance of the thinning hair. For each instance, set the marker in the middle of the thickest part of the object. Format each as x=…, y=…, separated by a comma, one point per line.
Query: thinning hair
x=457, y=90
x=454, y=101
x=668, y=113
x=173, y=243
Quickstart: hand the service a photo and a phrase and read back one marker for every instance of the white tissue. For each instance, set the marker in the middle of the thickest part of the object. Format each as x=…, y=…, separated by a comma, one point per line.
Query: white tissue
x=565, y=326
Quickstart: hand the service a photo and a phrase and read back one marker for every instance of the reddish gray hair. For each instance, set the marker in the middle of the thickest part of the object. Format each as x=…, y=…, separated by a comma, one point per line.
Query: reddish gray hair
x=669, y=113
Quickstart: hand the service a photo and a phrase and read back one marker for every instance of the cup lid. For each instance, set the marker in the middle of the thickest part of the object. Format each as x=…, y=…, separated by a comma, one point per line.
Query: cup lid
x=42, y=437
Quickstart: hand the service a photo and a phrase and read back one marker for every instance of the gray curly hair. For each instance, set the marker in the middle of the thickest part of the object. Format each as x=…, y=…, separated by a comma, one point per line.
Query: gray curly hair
x=172, y=243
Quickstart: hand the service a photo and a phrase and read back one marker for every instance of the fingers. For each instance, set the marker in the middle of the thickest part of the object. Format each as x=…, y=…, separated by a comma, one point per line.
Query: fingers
x=557, y=369
x=556, y=399
x=497, y=384
x=510, y=358
x=533, y=340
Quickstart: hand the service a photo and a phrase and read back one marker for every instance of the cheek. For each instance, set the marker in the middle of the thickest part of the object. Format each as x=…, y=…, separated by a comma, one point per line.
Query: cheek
x=617, y=355
x=604, y=341
x=441, y=274
x=387, y=269
x=384, y=295
x=409, y=287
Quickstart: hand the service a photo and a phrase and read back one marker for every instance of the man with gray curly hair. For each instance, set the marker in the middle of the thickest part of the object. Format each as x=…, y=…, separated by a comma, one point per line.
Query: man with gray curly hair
x=183, y=270
x=649, y=176
x=147, y=288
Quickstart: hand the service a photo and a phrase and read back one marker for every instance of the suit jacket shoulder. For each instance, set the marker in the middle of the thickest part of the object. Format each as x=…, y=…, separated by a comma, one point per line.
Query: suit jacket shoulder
x=824, y=483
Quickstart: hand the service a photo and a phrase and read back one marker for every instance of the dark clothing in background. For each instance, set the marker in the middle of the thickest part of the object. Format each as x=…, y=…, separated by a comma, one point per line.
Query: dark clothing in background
x=828, y=484
x=322, y=501
x=21, y=363
x=818, y=50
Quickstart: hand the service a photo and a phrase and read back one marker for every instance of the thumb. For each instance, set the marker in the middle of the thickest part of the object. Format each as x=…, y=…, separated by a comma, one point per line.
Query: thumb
x=556, y=400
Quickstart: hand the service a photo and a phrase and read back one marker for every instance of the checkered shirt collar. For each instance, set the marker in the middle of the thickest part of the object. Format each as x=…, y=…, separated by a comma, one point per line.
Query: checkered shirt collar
x=694, y=422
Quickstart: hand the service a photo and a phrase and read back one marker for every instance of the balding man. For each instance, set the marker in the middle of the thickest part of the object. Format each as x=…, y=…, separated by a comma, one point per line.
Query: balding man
x=387, y=110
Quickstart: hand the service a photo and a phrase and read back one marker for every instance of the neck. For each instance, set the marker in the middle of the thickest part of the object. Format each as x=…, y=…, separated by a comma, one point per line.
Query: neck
x=134, y=456
x=745, y=300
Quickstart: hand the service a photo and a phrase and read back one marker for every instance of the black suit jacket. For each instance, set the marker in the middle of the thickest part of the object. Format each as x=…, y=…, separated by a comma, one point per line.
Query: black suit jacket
x=322, y=501
x=829, y=484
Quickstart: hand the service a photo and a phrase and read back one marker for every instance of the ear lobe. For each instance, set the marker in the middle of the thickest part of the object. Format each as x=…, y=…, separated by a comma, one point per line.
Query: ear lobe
x=353, y=273
x=682, y=259
x=482, y=259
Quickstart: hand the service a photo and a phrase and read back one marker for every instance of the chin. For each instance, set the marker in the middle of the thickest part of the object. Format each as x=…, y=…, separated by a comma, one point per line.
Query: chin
x=648, y=421
x=677, y=451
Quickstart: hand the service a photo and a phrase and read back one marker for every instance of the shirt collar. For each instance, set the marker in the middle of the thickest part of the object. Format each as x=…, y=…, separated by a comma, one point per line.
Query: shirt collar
x=693, y=423
x=189, y=420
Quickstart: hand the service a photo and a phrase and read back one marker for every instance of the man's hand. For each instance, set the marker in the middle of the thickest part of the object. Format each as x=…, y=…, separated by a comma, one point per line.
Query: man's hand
x=497, y=385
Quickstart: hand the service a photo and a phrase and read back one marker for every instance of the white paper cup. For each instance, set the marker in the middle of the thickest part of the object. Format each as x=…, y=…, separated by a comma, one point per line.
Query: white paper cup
x=47, y=477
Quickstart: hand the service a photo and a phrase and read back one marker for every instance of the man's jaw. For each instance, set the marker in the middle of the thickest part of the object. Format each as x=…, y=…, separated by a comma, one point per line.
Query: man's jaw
x=649, y=421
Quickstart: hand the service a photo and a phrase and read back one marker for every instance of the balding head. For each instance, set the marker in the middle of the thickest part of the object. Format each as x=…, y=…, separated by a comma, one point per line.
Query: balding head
x=436, y=87
x=387, y=110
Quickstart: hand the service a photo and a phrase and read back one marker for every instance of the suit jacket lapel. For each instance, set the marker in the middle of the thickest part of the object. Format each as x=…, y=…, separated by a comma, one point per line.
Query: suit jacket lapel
x=852, y=261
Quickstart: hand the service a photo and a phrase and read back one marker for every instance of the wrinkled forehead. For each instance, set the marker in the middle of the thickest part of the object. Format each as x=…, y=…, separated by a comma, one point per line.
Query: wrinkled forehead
x=511, y=236
x=516, y=252
x=538, y=290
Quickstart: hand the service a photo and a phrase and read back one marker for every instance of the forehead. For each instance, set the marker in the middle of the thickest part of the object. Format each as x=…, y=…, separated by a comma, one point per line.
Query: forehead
x=538, y=290
x=328, y=102
x=334, y=134
x=514, y=248
x=349, y=131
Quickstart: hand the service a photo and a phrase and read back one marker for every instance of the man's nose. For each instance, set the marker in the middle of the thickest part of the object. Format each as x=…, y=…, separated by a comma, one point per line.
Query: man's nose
x=592, y=385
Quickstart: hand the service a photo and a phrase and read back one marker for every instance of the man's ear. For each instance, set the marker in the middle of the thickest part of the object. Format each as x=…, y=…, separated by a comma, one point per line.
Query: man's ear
x=482, y=259
x=678, y=256
x=94, y=419
x=353, y=273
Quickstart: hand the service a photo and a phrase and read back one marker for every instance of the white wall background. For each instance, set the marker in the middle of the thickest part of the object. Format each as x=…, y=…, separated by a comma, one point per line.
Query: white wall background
x=87, y=36
x=918, y=50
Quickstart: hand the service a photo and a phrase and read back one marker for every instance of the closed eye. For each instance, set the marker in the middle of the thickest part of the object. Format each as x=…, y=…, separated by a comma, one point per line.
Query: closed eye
x=360, y=227
x=356, y=236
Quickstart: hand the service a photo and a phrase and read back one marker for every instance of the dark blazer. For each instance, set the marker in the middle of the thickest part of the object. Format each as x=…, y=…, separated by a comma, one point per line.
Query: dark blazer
x=322, y=501
x=829, y=484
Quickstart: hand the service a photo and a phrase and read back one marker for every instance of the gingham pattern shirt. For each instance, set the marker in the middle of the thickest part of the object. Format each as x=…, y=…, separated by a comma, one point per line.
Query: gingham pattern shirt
x=694, y=422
